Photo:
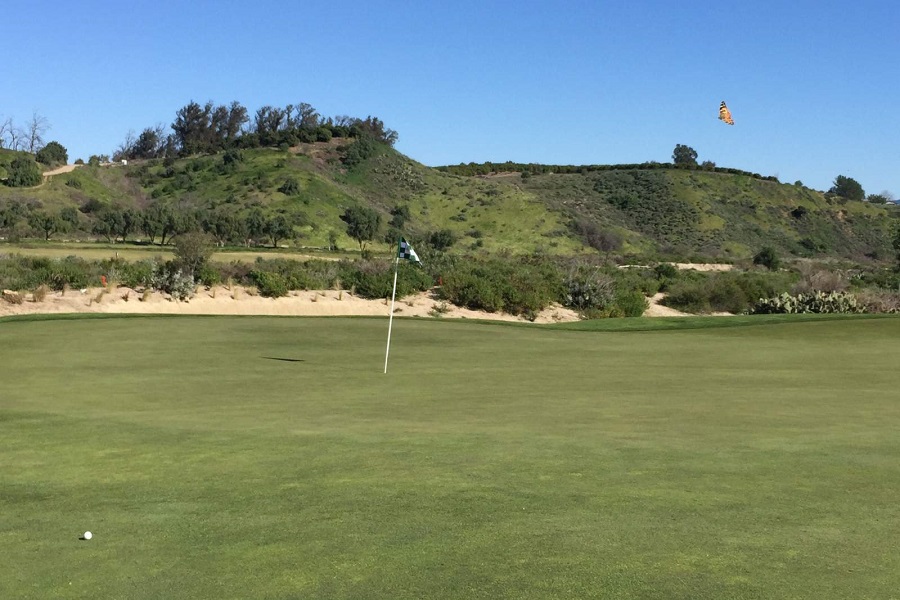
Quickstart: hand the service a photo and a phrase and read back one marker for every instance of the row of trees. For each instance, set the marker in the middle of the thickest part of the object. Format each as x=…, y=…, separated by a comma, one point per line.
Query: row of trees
x=158, y=223
x=162, y=221
x=529, y=169
x=212, y=128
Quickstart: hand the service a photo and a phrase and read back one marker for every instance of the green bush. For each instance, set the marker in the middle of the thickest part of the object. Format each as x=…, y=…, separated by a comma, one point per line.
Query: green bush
x=374, y=279
x=632, y=303
x=270, y=285
x=26, y=273
x=299, y=275
x=290, y=187
x=689, y=296
x=23, y=172
x=666, y=271
x=768, y=258
x=701, y=293
x=209, y=275
x=518, y=287
x=726, y=295
x=644, y=280
x=137, y=274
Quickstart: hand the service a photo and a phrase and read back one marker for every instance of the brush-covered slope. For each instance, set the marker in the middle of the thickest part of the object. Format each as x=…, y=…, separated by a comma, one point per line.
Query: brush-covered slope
x=710, y=214
x=654, y=212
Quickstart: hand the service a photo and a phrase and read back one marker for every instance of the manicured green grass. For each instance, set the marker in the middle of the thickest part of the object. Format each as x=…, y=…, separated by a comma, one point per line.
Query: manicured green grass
x=271, y=458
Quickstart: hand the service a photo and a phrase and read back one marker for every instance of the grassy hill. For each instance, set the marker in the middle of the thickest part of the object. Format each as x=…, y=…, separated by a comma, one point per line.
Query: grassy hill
x=635, y=210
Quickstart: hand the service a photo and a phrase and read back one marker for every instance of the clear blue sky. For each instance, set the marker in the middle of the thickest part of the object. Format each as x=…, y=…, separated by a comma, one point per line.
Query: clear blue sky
x=813, y=85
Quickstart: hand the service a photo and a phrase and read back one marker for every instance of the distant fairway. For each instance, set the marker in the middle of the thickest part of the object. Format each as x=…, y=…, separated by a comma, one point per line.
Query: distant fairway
x=260, y=457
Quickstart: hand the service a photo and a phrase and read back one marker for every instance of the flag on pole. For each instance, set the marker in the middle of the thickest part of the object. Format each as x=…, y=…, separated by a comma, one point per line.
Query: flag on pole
x=406, y=252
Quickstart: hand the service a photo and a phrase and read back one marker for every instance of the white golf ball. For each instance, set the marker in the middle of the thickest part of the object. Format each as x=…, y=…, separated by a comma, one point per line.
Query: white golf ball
x=88, y=535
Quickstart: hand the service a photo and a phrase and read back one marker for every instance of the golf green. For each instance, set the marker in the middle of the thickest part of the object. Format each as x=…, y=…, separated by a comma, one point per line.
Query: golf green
x=257, y=457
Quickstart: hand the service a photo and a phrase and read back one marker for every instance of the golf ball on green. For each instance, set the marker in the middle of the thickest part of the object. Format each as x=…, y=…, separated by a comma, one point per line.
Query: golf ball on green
x=88, y=535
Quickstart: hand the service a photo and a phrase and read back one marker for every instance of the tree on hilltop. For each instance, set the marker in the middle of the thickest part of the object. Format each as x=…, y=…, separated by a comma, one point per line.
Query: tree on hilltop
x=684, y=155
x=53, y=154
x=847, y=187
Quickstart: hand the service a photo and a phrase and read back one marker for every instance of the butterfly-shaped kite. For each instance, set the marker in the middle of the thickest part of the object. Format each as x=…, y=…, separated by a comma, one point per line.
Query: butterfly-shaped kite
x=725, y=114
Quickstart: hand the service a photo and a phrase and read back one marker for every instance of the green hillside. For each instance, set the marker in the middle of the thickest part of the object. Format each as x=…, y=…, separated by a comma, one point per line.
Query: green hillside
x=649, y=211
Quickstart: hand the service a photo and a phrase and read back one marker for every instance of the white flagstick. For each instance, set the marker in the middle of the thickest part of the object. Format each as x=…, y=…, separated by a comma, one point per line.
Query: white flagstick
x=391, y=318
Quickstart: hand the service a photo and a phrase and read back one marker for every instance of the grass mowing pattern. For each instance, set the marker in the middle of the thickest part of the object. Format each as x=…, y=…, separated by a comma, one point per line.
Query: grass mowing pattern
x=491, y=462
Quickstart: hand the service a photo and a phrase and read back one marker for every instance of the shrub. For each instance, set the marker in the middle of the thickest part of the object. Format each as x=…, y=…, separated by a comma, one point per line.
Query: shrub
x=689, y=296
x=644, y=280
x=879, y=301
x=701, y=293
x=40, y=293
x=768, y=258
x=374, y=279
x=137, y=274
x=71, y=271
x=666, y=274
x=586, y=288
x=323, y=134
x=290, y=187
x=666, y=271
x=270, y=285
x=23, y=172
x=632, y=303
x=516, y=287
x=23, y=273
x=726, y=295
x=208, y=275
x=370, y=279
x=813, y=278
x=442, y=239
x=169, y=278
x=232, y=157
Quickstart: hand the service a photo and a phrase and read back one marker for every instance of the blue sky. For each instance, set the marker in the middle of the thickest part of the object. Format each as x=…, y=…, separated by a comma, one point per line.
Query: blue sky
x=813, y=86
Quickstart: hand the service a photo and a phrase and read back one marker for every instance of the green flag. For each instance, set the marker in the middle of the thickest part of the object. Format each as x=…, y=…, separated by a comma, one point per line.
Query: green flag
x=406, y=252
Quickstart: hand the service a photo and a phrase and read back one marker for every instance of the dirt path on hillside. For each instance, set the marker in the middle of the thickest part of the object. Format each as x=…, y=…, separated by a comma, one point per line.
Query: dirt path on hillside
x=61, y=170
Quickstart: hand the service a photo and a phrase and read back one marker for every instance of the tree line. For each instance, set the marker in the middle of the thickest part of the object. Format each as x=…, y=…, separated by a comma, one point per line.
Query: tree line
x=529, y=169
x=212, y=128
x=158, y=223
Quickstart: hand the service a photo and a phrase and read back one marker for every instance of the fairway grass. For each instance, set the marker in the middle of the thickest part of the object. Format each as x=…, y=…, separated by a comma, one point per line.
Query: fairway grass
x=261, y=457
